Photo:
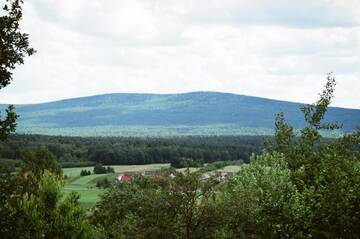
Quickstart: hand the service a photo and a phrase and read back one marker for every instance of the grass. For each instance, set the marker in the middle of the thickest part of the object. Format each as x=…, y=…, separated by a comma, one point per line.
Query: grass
x=183, y=170
x=85, y=186
x=232, y=168
x=75, y=172
x=88, y=197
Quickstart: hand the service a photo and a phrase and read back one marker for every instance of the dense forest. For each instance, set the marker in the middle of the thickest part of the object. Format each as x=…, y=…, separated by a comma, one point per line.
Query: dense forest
x=77, y=151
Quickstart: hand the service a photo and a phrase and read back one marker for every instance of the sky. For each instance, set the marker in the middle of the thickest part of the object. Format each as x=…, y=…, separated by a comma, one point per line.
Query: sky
x=276, y=49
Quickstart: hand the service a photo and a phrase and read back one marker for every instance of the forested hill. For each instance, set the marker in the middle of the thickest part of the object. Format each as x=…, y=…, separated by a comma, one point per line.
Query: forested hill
x=197, y=113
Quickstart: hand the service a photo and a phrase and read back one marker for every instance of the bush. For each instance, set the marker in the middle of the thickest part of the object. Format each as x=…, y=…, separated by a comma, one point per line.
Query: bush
x=103, y=183
x=85, y=173
x=110, y=169
x=100, y=169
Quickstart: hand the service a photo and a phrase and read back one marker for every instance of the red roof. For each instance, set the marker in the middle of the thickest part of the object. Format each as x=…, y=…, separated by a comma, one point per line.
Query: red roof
x=125, y=178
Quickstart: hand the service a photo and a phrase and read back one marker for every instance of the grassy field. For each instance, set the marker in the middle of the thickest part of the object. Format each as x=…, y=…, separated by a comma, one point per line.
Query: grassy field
x=232, y=168
x=86, y=185
x=182, y=170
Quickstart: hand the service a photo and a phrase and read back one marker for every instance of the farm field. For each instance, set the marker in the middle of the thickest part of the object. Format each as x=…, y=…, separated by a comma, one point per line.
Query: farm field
x=86, y=185
x=232, y=168
x=182, y=170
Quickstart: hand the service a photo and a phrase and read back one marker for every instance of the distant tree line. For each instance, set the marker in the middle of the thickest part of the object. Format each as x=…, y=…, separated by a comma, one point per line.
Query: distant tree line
x=77, y=151
x=100, y=169
x=186, y=163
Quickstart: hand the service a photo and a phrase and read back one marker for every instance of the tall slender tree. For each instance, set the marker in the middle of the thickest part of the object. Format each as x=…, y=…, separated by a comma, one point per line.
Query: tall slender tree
x=14, y=47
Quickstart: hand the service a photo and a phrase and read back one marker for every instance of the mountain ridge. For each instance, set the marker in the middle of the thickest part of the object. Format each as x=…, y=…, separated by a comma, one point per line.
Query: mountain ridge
x=165, y=94
x=200, y=112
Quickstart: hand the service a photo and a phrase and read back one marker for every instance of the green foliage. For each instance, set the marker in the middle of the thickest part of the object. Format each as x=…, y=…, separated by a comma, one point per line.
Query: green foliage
x=182, y=207
x=103, y=183
x=185, y=163
x=7, y=166
x=86, y=186
x=325, y=173
x=38, y=160
x=194, y=201
x=41, y=212
x=110, y=169
x=8, y=124
x=77, y=151
x=100, y=169
x=32, y=204
x=76, y=164
x=314, y=114
x=299, y=187
x=263, y=202
x=14, y=48
x=85, y=172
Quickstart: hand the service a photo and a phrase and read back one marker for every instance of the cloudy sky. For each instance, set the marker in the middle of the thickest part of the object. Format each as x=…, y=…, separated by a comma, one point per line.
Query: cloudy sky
x=276, y=49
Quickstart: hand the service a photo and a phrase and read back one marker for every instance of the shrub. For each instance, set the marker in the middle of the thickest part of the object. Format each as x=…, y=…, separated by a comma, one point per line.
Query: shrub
x=85, y=173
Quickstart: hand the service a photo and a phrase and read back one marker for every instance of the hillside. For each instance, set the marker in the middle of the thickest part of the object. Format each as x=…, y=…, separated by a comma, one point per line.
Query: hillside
x=197, y=113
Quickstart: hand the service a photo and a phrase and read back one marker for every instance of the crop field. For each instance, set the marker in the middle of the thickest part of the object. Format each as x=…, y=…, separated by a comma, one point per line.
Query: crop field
x=85, y=186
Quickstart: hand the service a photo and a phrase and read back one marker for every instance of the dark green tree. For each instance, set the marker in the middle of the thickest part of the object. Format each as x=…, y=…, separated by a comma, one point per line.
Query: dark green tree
x=38, y=160
x=183, y=206
x=41, y=212
x=14, y=47
x=85, y=172
x=99, y=169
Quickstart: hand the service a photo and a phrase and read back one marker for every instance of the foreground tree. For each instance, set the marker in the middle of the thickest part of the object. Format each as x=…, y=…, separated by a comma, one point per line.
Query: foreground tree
x=302, y=186
x=32, y=204
x=179, y=207
x=42, y=212
x=14, y=47
x=36, y=161
x=262, y=201
x=327, y=173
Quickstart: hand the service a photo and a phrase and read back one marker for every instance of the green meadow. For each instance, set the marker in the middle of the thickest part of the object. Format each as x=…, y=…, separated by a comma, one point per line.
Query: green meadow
x=89, y=194
x=85, y=186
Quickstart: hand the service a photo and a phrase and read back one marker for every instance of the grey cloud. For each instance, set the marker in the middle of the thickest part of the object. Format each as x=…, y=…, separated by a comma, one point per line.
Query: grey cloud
x=302, y=14
x=127, y=22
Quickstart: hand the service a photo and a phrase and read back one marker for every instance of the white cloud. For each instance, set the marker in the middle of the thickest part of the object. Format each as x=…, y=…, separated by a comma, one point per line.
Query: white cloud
x=279, y=49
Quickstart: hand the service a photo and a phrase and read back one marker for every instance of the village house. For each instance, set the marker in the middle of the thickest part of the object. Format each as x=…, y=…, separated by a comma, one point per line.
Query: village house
x=129, y=176
x=124, y=178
